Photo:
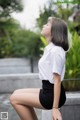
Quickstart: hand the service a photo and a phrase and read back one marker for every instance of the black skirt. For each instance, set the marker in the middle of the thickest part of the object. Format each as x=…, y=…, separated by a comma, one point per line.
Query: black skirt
x=46, y=95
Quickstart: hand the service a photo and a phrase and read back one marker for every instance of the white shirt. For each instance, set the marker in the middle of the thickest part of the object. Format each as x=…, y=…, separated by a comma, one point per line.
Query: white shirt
x=52, y=61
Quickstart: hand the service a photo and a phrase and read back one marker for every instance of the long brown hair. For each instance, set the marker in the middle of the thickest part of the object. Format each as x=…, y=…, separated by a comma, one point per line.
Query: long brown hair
x=59, y=32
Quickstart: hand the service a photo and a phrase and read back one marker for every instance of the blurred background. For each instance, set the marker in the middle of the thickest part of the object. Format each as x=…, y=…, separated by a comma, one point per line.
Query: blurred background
x=21, y=46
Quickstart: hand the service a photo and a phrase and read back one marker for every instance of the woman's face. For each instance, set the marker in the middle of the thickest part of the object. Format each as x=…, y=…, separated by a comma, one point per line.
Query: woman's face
x=46, y=30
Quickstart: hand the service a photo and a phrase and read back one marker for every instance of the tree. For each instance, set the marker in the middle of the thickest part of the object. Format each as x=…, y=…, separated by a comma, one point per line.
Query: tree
x=45, y=13
x=7, y=24
x=9, y=6
x=6, y=8
x=7, y=30
x=53, y=9
x=25, y=44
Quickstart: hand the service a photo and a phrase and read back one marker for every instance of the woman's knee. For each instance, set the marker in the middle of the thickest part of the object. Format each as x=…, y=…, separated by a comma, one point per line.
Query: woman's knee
x=12, y=99
x=17, y=91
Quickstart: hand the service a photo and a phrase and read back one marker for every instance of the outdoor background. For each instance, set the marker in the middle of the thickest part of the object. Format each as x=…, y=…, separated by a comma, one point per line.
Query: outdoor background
x=21, y=46
x=20, y=25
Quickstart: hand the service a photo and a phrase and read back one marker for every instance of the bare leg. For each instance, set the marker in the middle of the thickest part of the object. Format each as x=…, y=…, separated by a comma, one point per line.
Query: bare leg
x=23, y=101
x=24, y=90
x=25, y=112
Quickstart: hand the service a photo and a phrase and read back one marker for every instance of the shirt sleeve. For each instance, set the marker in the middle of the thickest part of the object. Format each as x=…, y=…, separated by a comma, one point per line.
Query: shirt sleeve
x=57, y=62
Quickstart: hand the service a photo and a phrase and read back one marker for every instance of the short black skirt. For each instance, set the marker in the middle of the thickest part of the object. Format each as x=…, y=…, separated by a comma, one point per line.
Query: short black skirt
x=46, y=95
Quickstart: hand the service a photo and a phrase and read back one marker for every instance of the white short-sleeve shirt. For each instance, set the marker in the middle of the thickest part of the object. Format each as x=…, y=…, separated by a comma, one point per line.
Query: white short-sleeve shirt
x=52, y=61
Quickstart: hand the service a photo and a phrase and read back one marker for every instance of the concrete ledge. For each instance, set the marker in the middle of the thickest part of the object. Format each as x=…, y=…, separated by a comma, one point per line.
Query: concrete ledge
x=70, y=110
x=10, y=82
x=18, y=65
x=14, y=65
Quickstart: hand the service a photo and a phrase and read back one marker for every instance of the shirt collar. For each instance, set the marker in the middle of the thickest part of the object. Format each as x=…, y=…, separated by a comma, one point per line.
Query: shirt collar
x=49, y=46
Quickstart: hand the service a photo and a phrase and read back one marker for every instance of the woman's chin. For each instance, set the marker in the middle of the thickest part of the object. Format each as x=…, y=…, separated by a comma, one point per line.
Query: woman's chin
x=42, y=33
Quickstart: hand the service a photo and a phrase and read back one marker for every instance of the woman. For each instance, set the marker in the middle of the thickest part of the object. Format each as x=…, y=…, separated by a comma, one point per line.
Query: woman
x=51, y=72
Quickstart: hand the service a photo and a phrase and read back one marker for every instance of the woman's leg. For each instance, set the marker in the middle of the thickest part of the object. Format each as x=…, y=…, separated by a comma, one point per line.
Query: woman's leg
x=23, y=100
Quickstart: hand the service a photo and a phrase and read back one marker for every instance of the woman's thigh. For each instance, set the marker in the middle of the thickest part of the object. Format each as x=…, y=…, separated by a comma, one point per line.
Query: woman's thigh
x=26, y=90
x=28, y=98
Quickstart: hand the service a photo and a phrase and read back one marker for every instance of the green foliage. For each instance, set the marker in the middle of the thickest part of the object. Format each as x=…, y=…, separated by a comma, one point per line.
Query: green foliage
x=71, y=85
x=54, y=9
x=44, y=16
x=14, y=41
x=44, y=40
x=7, y=28
x=9, y=6
x=73, y=58
x=20, y=43
x=68, y=1
x=26, y=44
x=64, y=13
x=8, y=23
x=5, y=47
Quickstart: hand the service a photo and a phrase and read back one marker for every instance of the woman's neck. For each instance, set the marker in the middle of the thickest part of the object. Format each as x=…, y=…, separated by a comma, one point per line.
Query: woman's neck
x=48, y=39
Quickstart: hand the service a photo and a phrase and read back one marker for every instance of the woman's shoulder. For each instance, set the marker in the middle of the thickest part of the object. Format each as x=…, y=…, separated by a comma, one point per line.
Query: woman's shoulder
x=57, y=50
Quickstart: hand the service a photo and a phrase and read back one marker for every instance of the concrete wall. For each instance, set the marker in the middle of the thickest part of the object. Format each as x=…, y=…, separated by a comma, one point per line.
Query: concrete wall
x=18, y=65
x=8, y=83
x=11, y=82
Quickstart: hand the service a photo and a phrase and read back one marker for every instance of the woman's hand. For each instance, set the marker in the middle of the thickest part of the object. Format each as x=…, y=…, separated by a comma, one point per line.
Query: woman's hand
x=56, y=115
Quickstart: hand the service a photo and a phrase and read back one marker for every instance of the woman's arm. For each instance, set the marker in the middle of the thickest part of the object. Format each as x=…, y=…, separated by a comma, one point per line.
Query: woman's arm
x=57, y=90
x=56, y=115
